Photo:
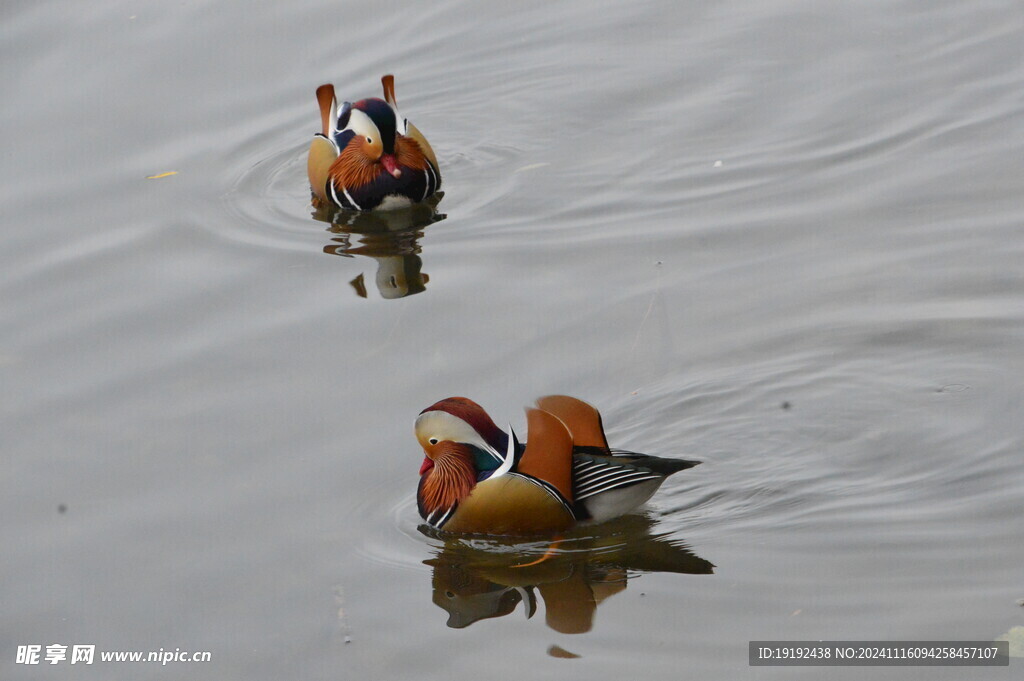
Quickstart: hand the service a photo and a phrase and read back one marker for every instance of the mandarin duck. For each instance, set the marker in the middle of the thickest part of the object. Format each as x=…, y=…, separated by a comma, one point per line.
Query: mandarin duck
x=367, y=156
x=478, y=479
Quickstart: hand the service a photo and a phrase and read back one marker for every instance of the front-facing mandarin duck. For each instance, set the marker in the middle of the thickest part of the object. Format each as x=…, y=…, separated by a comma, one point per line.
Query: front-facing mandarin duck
x=478, y=479
x=367, y=156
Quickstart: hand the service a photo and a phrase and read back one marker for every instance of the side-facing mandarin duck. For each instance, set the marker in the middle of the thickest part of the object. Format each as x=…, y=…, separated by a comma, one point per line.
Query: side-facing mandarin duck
x=367, y=156
x=478, y=479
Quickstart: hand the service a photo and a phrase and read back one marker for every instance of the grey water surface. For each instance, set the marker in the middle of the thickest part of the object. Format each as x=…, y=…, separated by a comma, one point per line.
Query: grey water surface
x=785, y=238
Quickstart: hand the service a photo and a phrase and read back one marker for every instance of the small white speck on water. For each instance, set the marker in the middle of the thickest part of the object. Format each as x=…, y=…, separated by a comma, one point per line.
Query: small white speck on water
x=718, y=164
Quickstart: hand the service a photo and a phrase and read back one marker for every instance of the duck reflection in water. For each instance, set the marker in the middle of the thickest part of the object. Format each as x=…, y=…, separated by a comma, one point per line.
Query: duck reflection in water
x=477, y=578
x=391, y=238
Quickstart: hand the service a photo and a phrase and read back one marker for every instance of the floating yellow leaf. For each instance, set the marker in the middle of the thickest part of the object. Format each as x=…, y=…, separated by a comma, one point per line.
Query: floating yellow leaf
x=532, y=166
x=167, y=174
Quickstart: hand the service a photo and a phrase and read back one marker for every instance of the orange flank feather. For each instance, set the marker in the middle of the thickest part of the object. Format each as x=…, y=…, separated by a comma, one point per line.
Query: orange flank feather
x=388, y=82
x=325, y=98
x=548, y=453
x=451, y=479
x=582, y=420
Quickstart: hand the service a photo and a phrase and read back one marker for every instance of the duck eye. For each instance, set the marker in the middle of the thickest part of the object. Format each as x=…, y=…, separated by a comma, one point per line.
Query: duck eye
x=369, y=140
x=432, y=440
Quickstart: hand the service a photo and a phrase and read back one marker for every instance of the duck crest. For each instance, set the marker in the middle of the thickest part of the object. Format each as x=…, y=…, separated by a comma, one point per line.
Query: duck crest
x=473, y=414
x=449, y=480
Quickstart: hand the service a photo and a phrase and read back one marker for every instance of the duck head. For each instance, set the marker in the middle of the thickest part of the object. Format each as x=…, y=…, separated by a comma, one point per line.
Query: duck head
x=371, y=125
x=363, y=134
x=462, y=445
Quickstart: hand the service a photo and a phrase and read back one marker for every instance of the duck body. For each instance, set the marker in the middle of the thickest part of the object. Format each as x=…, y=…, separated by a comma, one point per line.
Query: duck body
x=478, y=479
x=367, y=156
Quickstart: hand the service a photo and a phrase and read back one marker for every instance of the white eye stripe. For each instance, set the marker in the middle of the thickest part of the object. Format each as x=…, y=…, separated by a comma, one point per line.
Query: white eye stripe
x=362, y=125
x=445, y=426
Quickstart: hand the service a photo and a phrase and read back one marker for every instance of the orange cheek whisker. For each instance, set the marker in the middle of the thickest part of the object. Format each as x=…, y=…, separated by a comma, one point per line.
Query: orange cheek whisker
x=409, y=154
x=353, y=168
x=450, y=480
